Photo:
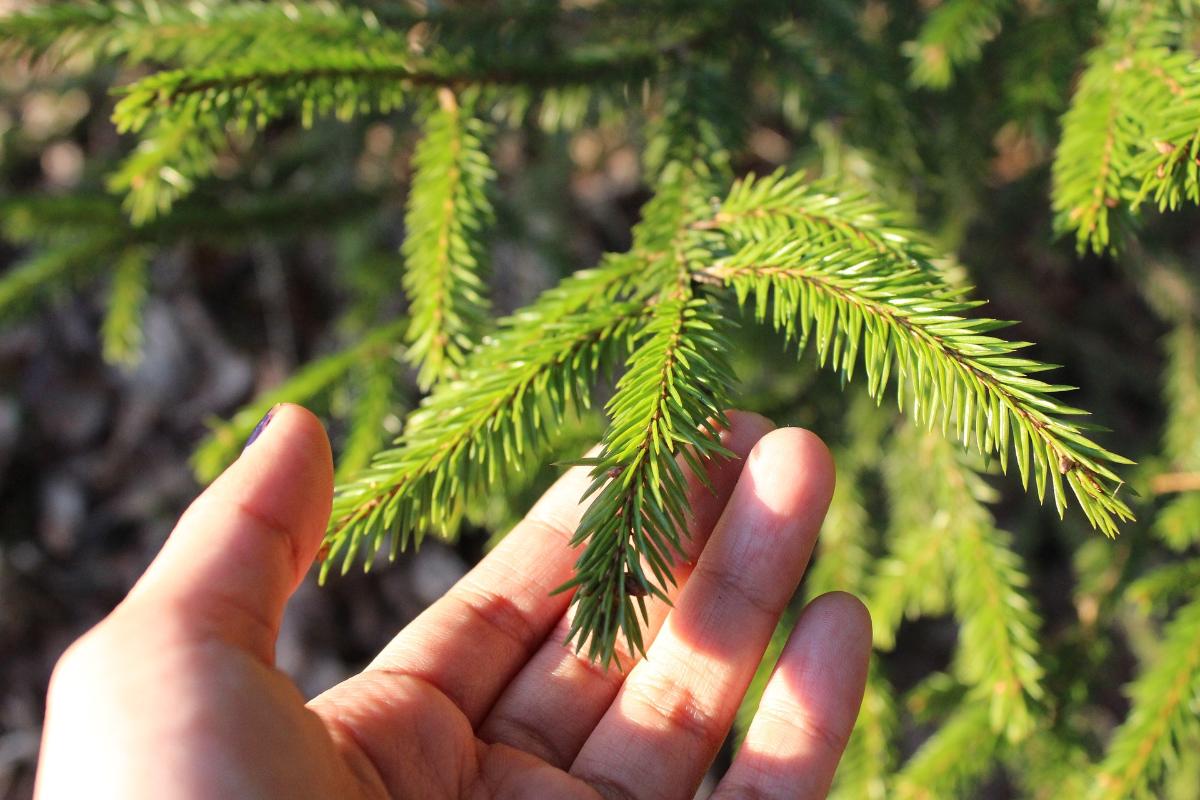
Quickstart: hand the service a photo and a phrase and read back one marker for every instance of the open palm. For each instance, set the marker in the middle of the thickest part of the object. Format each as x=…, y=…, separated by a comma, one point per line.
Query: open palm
x=175, y=693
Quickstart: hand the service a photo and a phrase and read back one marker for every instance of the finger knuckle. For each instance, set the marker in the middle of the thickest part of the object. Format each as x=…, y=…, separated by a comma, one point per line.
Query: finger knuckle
x=677, y=708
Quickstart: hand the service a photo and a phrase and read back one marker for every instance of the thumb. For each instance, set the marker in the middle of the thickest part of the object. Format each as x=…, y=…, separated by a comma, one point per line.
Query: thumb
x=244, y=545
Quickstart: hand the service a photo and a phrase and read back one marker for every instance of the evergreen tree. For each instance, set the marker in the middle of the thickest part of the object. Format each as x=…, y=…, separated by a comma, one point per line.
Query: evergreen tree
x=843, y=254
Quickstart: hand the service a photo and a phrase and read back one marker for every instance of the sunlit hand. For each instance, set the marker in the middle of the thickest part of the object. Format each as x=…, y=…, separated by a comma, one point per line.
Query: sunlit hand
x=174, y=695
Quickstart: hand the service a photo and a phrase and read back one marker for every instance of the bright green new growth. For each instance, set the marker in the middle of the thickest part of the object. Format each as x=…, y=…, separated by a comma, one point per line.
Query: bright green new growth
x=1164, y=699
x=1131, y=132
x=881, y=297
x=448, y=212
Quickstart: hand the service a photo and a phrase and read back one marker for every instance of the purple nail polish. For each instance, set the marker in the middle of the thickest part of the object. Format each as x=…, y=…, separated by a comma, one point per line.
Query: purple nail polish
x=260, y=427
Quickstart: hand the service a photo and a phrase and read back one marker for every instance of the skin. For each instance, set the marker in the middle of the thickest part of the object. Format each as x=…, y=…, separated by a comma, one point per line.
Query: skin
x=174, y=694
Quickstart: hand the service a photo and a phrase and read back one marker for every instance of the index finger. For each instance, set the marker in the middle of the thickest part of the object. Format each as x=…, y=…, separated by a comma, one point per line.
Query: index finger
x=243, y=546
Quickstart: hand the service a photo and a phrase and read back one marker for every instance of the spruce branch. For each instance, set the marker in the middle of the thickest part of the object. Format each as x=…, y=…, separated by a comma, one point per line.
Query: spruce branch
x=374, y=404
x=56, y=265
x=248, y=94
x=844, y=552
x=184, y=114
x=842, y=559
x=513, y=394
x=944, y=542
x=344, y=81
x=1126, y=135
x=998, y=653
x=956, y=757
x=1087, y=184
x=913, y=577
x=866, y=766
x=1162, y=719
x=1175, y=523
x=1050, y=764
x=219, y=221
x=192, y=33
x=1158, y=589
x=906, y=321
x=448, y=214
x=430, y=477
x=666, y=417
x=1170, y=166
x=171, y=158
x=121, y=333
x=952, y=36
x=781, y=205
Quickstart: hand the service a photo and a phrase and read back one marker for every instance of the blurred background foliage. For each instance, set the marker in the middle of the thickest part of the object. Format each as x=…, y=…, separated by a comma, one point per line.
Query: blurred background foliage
x=157, y=298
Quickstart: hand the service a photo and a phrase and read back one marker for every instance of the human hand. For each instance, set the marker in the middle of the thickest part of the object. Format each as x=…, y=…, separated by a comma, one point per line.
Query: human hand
x=174, y=695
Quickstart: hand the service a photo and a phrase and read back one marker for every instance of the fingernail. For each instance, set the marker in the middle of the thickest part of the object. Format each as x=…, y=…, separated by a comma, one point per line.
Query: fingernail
x=260, y=427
